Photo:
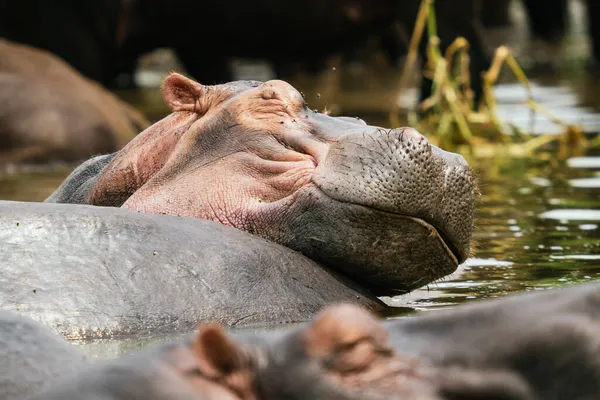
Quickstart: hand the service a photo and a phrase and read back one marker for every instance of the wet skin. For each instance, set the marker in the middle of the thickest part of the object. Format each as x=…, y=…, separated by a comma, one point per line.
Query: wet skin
x=93, y=272
x=384, y=207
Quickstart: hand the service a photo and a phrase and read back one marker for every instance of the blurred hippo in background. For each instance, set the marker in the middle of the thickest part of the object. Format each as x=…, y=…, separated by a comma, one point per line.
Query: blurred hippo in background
x=383, y=206
x=49, y=112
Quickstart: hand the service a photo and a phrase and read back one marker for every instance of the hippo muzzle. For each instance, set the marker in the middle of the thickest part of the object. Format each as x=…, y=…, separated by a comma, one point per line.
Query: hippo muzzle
x=387, y=208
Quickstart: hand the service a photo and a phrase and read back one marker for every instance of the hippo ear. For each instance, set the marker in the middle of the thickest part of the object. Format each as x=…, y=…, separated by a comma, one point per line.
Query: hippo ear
x=348, y=336
x=183, y=94
x=217, y=356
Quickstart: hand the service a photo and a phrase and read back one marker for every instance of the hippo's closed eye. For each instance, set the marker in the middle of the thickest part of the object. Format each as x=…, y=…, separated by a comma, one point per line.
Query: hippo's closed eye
x=343, y=354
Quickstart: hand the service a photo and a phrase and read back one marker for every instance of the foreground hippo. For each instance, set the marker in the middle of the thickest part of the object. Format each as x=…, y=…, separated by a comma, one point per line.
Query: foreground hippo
x=98, y=272
x=545, y=341
x=381, y=206
x=32, y=357
x=344, y=354
x=529, y=346
x=532, y=346
x=208, y=365
x=51, y=113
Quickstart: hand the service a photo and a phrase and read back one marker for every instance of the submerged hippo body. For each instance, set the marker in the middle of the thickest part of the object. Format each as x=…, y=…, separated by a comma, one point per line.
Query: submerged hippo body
x=548, y=341
x=96, y=272
x=523, y=347
x=32, y=357
x=50, y=112
x=384, y=207
x=533, y=346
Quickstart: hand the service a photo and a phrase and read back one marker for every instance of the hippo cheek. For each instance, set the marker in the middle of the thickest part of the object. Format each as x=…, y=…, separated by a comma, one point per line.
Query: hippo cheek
x=386, y=208
x=384, y=252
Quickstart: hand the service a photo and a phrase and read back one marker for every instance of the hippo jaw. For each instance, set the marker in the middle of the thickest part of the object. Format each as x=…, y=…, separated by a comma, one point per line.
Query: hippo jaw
x=391, y=221
x=383, y=207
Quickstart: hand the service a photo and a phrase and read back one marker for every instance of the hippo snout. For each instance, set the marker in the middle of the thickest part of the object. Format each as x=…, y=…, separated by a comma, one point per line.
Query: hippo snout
x=397, y=174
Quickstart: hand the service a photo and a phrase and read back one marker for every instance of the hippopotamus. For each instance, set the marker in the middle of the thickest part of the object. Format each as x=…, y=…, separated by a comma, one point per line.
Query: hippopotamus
x=52, y=113
x=525, y=347
x=382, y=206
x=545, y=342
x=207, y=365
x=32, y=357
x=540, y=345
x=99, y=272
x=376, y=211
x=345, y=353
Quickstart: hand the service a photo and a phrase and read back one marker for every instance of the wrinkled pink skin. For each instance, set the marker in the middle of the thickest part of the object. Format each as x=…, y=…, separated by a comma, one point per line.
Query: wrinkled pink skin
x=383, y=206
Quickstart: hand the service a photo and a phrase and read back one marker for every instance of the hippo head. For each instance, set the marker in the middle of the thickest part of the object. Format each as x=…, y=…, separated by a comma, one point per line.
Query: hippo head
x=382, y=206
x=346, y=353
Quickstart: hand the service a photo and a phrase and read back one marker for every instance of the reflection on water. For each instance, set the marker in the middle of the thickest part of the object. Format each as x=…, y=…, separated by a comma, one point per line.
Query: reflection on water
x=584, y=162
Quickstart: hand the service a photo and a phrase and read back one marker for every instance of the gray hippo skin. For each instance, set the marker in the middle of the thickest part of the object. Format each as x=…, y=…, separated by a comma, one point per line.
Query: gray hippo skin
x=32, y=357
x=95, y=272
x=346, y=353
x=382, y=206
x=549, y=341
x=542, y=345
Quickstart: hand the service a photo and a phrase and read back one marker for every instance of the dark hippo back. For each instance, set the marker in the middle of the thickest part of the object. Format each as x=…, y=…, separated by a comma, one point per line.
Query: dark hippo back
x=32, y=357
x=76, y=188
x=91, y=271
x=550, y=340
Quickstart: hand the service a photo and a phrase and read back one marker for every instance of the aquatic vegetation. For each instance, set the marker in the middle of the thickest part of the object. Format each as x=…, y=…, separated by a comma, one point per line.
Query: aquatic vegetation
x=450, y=117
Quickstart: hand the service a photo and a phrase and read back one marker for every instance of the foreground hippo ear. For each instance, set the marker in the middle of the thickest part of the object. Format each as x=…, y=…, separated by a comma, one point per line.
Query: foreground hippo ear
x=348, y=337
x=217, y=356
x=183, y=94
